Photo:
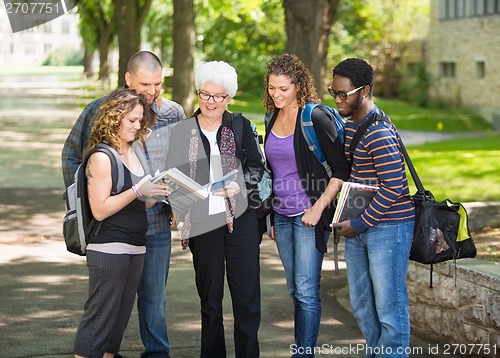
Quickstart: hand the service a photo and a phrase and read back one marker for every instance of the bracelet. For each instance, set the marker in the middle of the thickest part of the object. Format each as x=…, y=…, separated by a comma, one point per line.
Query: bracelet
x=136, y=191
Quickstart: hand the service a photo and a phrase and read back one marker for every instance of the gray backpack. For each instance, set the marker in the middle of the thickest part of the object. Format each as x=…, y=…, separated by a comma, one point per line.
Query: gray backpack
x=79, y=223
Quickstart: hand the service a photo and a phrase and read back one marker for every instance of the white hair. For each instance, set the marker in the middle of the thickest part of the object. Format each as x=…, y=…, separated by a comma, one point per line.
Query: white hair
x=219, y=73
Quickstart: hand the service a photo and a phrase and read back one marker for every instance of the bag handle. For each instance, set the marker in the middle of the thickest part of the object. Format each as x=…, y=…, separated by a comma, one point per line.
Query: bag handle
x=361, y=131
x=411, y=168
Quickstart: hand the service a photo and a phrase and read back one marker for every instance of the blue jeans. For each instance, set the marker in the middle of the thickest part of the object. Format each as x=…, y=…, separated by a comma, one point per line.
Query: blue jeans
x=302, y=263
x=151, y=296
x=377, y=264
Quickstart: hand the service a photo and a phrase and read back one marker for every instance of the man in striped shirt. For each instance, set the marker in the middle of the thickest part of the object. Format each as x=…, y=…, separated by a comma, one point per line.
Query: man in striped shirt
x=377, y=242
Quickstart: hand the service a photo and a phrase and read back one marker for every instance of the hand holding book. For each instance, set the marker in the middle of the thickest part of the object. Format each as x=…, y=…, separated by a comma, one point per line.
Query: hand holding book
x=184, y=191
x=353, y=200
x=229, y=189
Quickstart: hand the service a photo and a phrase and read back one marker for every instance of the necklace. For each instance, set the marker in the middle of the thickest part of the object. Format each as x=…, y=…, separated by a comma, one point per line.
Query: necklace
x=285, y=121
x=288, y=117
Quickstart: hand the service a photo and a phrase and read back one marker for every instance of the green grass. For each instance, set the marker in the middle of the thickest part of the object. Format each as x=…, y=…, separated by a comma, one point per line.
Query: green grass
x=462, y=169
x=410, y=117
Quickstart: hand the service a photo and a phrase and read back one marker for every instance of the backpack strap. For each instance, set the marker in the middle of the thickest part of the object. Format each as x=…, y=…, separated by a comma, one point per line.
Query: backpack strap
x=237, y=128
x=117, y=171
x=336, y=118
x=307, y=127
x=237, y=121
x=117, y=178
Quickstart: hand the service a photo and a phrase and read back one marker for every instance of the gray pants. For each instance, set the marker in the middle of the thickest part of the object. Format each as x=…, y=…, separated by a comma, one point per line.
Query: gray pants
x=113, y=281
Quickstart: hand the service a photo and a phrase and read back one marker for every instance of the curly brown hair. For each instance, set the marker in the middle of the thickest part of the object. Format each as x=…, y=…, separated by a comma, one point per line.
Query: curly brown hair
x=108, y=118
x=292, y=67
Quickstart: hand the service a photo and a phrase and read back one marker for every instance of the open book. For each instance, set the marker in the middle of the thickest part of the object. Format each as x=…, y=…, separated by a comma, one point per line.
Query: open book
x=354, y=198
x=185, y=191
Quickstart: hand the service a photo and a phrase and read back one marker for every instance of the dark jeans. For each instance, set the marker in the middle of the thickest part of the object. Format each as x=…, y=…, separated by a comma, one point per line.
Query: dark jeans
x=235, y=254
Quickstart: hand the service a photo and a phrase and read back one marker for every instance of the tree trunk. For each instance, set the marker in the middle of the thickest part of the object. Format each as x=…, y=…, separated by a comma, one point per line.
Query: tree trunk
x=88, y=65
x=307, y=26
x=104, y=41
x=184, y=37
x=129, y=16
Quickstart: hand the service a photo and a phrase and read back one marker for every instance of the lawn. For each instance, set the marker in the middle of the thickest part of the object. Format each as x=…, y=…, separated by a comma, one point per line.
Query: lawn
x=462, y=169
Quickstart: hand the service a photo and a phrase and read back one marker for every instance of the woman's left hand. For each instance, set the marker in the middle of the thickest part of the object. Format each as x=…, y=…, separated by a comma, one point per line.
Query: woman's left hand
x=311, y=216
x=229, y=190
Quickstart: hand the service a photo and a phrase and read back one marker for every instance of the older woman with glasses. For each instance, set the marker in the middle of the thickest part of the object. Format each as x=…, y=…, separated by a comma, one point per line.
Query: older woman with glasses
x=221, y=231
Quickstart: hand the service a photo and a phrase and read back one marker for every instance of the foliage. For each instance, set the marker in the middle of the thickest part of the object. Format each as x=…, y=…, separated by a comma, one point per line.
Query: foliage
x=97, y=28
x=94, y=16
x=380, y=32
x=416, y=88
x=250, y=32
x=158, y=30
x=245, y=34
x=64, y=56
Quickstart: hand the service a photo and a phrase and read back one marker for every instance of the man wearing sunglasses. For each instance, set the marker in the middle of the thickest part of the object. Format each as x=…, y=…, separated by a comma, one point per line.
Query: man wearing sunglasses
x=378, y=242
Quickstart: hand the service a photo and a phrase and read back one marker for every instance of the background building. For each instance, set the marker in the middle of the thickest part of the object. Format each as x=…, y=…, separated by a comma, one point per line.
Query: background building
x=462, y=54
x=34, y=45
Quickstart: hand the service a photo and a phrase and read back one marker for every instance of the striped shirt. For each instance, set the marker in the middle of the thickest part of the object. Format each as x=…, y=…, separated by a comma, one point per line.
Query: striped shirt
x=378, y=161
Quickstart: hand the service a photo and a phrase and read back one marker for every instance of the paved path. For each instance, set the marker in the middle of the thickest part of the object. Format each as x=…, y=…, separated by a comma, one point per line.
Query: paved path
x=43, y=289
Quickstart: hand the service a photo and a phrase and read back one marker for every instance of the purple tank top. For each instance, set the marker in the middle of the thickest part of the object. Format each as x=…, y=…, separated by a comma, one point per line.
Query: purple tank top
x=290, y=197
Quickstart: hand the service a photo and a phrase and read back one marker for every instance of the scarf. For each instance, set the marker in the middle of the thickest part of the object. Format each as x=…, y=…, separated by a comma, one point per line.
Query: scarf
x=227, y=148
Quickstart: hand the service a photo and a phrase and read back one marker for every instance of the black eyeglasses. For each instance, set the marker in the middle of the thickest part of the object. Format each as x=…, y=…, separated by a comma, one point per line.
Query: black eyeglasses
x=342, y=95
x=216, y=97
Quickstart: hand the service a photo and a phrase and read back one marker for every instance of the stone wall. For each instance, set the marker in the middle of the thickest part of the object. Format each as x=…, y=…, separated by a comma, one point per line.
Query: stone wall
x=463, y=307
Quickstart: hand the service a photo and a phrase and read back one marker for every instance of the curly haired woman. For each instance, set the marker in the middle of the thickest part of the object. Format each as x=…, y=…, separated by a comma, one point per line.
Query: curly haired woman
x=303, y=191
x=115, y=252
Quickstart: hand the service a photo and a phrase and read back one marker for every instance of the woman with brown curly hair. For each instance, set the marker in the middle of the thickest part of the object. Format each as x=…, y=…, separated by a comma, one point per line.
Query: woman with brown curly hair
x=115, y=251
x=303, y=191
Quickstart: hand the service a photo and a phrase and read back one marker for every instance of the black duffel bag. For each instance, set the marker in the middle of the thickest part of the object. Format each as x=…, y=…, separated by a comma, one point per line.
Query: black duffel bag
x=441, y=231
x=441, y=227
